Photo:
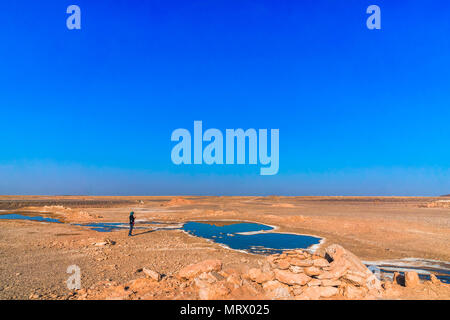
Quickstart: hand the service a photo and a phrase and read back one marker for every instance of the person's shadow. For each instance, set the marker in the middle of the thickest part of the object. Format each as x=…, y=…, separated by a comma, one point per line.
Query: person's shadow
x=141, y=233
x=153, y=230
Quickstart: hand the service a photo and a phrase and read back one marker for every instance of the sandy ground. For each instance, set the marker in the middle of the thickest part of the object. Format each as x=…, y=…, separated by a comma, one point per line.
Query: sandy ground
x=34, y=256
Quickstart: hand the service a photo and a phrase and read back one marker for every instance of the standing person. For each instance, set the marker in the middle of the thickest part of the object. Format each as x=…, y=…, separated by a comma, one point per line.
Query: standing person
x=131, y=223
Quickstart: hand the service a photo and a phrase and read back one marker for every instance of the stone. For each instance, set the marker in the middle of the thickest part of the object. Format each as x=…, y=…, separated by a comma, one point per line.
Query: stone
x=140, y=284
x=235, y=280
x=271, y=285
x=330, y=283
x=343, y=261
x=434, y=279
x=314, y=283
x=327, y=292
x=191, y=271
x=411, y=279
x=355, y=279
x=321, y=262
x=283, y=264
x=352, y=292
x=272, y=258
x=276, y=290
x=291, y=278
x=300, y=262
x=297, y=290
x=312, y=271
x=259, y=276
x=214, y=291
x=296, y=269
x=279, y=293
x=151, y=274
x=217, y=276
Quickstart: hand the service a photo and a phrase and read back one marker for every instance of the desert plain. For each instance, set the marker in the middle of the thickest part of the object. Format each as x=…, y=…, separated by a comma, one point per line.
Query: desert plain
x=34, y=256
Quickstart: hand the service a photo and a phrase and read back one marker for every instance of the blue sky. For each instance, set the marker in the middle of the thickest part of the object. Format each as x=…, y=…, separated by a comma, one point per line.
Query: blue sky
x=91, y=111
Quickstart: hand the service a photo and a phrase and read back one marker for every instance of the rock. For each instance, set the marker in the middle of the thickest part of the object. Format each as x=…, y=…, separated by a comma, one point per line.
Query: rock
x=296, y=269
x=314, y=283
x=411, y=279
x=321, y=262
x=140, y=284
x=327, y=292
x=191, y=271
x=343, y=261
x=434, y=279
x=279, y=293
x=337, y=270
x=215, y=291
x=151, y=274
x=283, y=264
x=355, y=279
x=300, y=262
x=291, y=278
x=312, y=271
x=297, y=290
x=34, y=296
x=331, y=283
x=276, y=290
x=104, y=243
x=314, y=293
x=271, y=285
x=217, y=276
x=352, y=292
x=259, y=276
x=235, y=280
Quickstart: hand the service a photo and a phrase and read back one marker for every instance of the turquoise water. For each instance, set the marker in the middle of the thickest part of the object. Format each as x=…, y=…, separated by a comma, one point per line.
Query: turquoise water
x=22, y=217
x=259, y=241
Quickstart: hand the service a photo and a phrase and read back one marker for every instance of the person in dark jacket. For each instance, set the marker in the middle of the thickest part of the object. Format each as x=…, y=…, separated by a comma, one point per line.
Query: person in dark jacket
x=131, y=223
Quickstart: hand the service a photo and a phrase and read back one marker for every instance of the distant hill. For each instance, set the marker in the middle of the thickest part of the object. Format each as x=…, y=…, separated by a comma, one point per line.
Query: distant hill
x=446, y=195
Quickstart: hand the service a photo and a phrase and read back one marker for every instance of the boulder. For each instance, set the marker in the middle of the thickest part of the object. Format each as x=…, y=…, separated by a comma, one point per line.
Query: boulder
x=291, y=278
x=352, y=292
x=434, y=279
x=331, y=283
x=312, y=271
x=259, y=276
x=191, y=271
x=276, y=290
x=321, y=262
x=214, y=291
x=411, y=279
x=296, y=269
x=343, y=261
x=151, y=274
x=301, y=262
x=283, y=264
x=355, y=279
x=314, y=283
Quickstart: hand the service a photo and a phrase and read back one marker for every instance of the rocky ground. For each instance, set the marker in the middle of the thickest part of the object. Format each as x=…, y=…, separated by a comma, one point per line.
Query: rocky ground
x=35, y=256
x=294, y=274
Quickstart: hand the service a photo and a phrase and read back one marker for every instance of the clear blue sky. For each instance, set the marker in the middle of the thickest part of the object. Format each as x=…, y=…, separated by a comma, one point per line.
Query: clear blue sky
x=91, y=111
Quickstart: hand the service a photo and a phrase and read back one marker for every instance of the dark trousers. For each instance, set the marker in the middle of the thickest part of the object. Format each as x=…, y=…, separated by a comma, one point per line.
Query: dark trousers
x=131, y=229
